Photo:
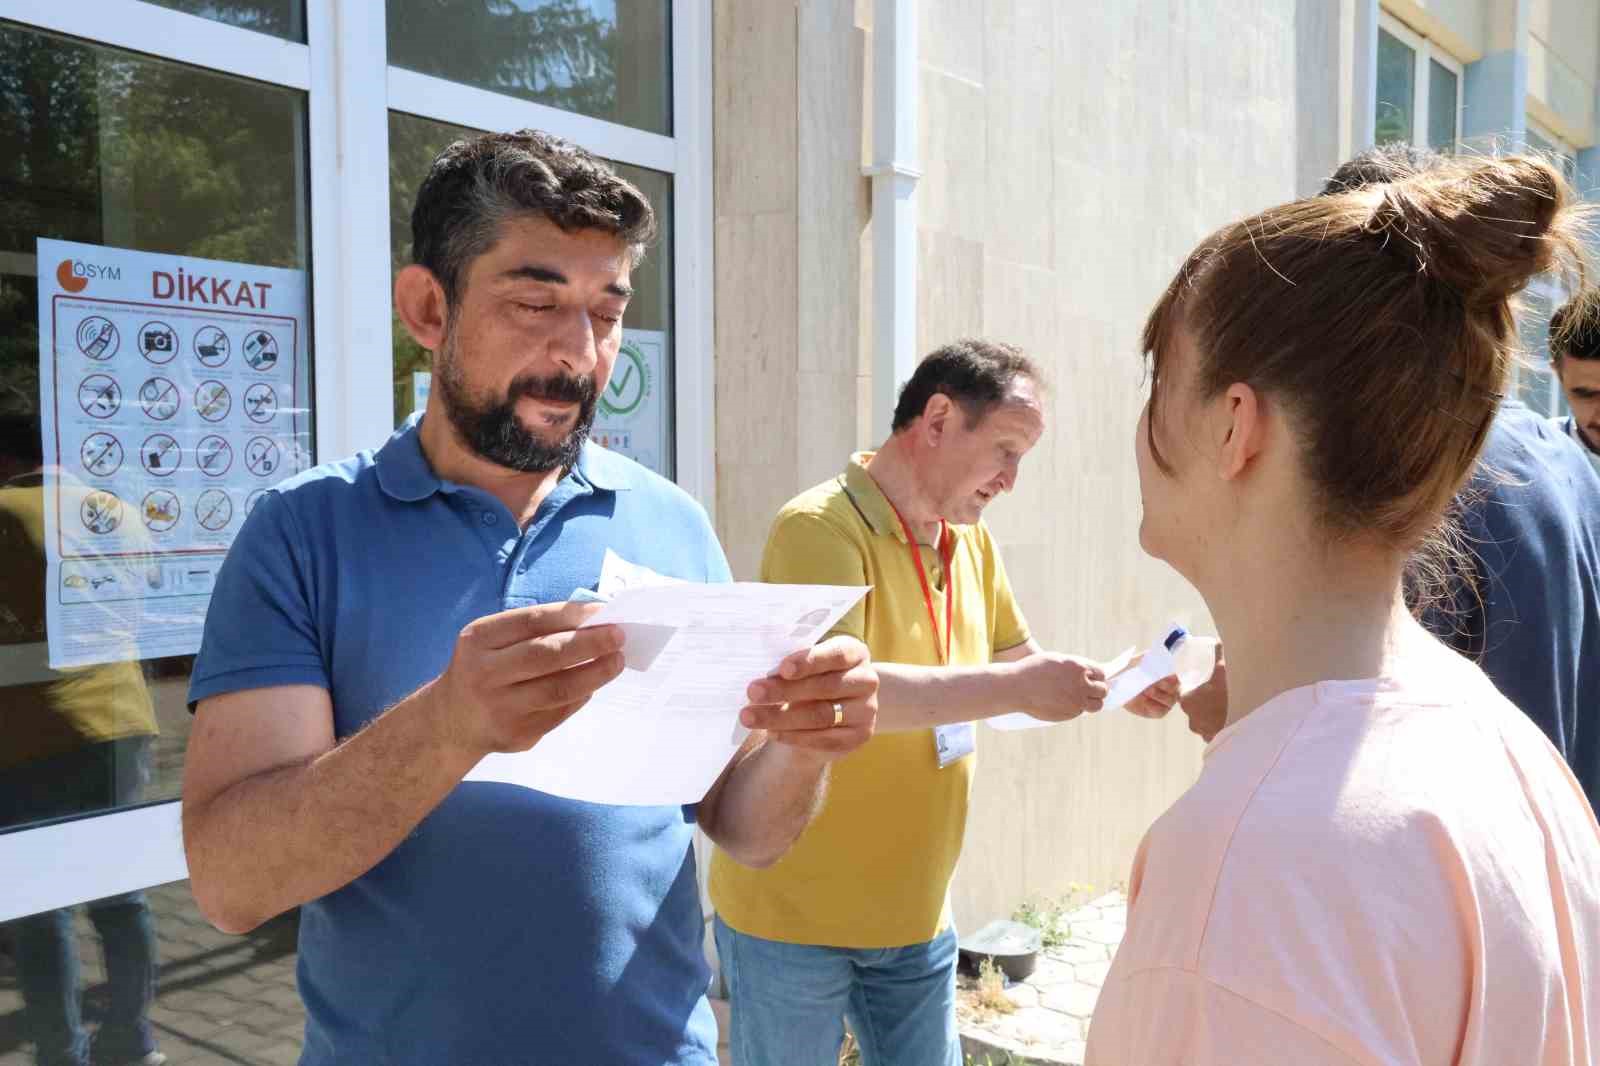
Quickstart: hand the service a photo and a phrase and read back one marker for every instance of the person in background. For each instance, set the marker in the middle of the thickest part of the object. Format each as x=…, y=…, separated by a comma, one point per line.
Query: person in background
x=1575, y=356
x=1521, y=580
x=1383, y=860
x=76, y=741
x=855, y=920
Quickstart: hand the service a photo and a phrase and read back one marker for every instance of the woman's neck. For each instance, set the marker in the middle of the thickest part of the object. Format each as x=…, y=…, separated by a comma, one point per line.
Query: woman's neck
x=1294, y=614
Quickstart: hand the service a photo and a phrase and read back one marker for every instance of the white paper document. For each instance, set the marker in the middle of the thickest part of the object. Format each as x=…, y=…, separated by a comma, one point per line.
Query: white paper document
x=664, y=730
x=1124, y=681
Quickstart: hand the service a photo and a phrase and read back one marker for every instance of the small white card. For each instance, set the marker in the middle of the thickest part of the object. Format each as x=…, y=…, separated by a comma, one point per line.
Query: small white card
x=952, y=742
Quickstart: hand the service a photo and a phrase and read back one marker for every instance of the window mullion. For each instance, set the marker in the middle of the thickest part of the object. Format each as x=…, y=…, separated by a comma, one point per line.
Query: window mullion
x=350, y=290
x=1419, y=120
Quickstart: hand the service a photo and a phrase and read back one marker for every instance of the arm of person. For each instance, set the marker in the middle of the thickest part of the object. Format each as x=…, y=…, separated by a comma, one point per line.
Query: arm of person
x=1047, y=685
x=819, y=705
x=1027, y=678
x=275, y=813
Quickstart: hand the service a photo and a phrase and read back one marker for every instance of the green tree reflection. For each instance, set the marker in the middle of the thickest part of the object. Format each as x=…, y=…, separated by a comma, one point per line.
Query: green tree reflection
x=557, y=52
x=109, y=148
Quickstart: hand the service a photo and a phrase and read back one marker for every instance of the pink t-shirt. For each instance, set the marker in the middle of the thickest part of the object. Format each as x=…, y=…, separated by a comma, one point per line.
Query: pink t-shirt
x=1397, y=870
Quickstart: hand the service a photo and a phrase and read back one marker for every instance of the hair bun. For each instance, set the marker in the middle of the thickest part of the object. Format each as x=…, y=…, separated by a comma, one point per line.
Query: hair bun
x=1481, y=227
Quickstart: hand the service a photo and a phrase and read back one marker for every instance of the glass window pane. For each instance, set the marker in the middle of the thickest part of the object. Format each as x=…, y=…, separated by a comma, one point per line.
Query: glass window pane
x=1538, y=303
x=1442, y=106
x=602, y=58
x=148, y=167
x=280, y=18
x=636, y=411
x=216, y=998
x=1397, y=75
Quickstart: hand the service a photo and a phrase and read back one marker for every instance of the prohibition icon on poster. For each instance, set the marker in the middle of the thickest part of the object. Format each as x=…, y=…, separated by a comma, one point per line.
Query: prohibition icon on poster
x=251, y=500
x=211, y=346
x=97, y=338
x=261, y=456
x=161, y=510
x=101, y=454
x=160, y=455
x=101, y=512
x=213, y=455
x=158, y=342
x=100, y=396
x=260, y=402
x=261, y=350
x=159, y=398
x=213, y=510
x=212, y=401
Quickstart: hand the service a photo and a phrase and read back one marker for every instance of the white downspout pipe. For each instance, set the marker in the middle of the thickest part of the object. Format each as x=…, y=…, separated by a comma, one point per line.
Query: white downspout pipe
x=894, y=177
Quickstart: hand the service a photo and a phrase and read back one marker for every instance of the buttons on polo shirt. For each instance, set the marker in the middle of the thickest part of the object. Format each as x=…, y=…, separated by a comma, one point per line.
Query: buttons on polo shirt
x=490, y=518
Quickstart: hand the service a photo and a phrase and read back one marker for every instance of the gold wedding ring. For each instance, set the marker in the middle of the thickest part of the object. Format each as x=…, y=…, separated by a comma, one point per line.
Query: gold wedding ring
x=838, y=714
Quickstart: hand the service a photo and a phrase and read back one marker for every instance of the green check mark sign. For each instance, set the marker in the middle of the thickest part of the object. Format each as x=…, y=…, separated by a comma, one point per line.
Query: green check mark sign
x=629, y=383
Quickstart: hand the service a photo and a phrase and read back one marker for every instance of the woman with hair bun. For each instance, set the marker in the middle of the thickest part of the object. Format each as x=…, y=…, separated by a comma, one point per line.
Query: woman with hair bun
x=1383, y=860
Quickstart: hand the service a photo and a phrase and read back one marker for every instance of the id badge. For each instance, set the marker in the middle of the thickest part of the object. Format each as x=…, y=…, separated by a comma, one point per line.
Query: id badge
x=952, y=742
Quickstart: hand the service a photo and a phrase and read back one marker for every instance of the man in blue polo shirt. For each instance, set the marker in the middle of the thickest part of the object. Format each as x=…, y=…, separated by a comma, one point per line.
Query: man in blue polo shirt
x=1575, y=357
x=1524, y=600
x=383, y=623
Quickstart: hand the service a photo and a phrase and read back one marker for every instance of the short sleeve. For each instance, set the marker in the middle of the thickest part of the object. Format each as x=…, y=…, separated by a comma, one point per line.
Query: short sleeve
x=1007, y=628
x=261, y=628
x=806, y=549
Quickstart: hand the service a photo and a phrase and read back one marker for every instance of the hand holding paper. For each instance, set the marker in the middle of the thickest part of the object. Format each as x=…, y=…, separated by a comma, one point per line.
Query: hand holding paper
x=1145, y=684
x=796, y=706
x=1058, y=688
x=1149, y=687
x=516, y=676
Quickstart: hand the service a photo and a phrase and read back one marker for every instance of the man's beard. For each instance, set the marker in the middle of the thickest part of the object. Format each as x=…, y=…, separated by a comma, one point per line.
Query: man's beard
x=494, y=431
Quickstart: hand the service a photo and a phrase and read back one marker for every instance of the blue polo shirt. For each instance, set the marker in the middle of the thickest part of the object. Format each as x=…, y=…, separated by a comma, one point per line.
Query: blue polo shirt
x=511, y=927
x=1531, y=618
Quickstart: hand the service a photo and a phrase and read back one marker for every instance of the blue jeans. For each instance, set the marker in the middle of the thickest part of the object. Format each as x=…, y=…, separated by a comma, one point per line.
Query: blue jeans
x=790, y=1000
x=94, y=777
x=47, y=963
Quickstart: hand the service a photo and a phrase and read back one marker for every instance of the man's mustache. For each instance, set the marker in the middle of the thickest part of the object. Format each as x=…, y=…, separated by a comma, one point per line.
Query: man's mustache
x=555, y=388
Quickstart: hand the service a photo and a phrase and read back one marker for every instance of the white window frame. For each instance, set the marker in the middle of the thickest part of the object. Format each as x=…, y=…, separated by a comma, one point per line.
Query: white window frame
x=350, y=89
x=1424, y=49
x=1555, y=294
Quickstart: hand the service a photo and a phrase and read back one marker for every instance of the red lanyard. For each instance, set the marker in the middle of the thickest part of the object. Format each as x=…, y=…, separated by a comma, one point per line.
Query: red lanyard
x=947, y=555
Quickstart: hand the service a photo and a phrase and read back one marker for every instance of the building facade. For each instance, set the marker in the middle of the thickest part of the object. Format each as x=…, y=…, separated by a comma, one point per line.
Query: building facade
x=845, y=184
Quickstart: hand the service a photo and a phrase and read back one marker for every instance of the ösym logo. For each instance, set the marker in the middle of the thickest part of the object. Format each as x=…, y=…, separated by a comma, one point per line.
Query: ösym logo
x=74, y=274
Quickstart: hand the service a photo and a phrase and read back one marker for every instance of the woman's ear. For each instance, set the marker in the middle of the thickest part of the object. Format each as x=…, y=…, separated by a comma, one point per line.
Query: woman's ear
x=419, y=301
x=1243, y=430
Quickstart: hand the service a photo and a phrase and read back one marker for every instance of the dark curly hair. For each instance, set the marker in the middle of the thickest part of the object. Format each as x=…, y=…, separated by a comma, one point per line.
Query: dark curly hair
x=976, y=374
x=478, y=184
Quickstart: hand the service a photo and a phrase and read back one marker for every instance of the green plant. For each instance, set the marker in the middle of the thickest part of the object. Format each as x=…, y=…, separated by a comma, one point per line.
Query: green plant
x=1048, y=914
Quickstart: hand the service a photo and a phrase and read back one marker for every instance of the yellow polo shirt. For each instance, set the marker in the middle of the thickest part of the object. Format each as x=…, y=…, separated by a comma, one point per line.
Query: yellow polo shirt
x=85, y=705
x=873, y=870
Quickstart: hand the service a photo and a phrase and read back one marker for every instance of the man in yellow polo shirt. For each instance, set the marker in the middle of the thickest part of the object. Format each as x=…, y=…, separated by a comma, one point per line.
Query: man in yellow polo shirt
x=854, y=920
